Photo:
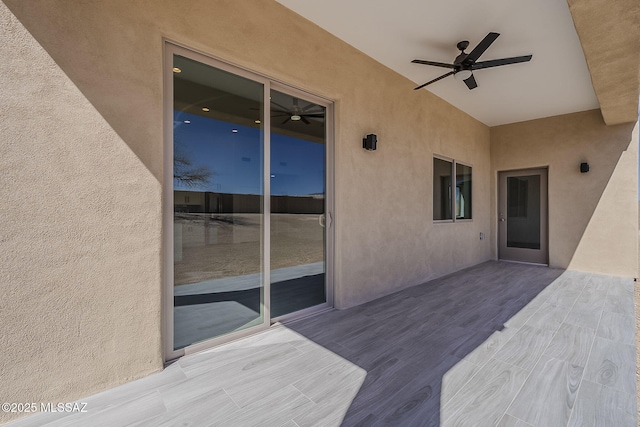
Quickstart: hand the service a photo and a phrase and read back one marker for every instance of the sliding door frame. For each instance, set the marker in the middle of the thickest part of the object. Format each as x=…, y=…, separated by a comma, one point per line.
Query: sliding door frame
x=328, y=197
x=170, y=49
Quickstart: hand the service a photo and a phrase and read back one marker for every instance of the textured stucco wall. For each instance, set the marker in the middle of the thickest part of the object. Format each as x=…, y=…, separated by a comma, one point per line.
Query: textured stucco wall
x=593, y=216
x=609, y=32
x=81, y=142
x=79, y=252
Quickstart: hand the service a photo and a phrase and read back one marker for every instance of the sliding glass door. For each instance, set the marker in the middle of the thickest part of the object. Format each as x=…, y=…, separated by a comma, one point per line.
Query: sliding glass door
x=249, y=217
x=218, y=202
x=298, y=212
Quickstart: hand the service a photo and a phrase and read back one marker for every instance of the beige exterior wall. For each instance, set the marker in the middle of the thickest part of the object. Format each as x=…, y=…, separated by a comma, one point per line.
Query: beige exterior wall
x=81, y=159
x=81, y=138
x=593, y=216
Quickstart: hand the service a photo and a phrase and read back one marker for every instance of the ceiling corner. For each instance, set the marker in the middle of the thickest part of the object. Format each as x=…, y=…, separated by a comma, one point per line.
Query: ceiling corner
x=609, y=32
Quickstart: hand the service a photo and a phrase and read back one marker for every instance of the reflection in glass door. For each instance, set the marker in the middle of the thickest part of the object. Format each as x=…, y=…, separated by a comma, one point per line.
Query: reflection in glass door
x=522, y=216
x=298, y=218
x=246, y=211
x=218, y=202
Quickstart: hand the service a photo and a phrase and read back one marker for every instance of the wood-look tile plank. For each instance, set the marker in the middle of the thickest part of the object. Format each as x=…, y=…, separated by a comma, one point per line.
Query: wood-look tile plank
x=250, y=387
x=572, y=344
x=622, y=286
x=274, y=409
x=519, y=319
x=525, y=347
x=368, y=420
x=547, y=397
x=418, y=396
x=593, y=296
x=622, y=304
x=231, y=364
x=485, y=351
x=381, y=383
x=549, y=316
x=510, y=421
x=597, y=283
x=322, y=384
x=455, y=378
x=196, y=411
x=395, y=328
x=599, y=405
x=485, y=397
x=566, y=296
x=612, y=364
x=331, y=410
x=375, y=354
x=576, y=279
x=585, y=314
x=617, y=327
x=180, y=393
x=413, y=406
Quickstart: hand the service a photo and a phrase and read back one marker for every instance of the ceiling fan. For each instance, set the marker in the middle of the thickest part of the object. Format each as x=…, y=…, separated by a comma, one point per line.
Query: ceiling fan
x=465, y=63
x=296, y=113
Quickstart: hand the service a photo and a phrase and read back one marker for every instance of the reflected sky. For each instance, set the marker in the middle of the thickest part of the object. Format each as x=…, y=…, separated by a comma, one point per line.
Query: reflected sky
x=234, y=158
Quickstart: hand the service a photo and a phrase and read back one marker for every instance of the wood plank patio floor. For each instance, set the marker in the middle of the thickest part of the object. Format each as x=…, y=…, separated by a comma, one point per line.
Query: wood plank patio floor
x=498, y=344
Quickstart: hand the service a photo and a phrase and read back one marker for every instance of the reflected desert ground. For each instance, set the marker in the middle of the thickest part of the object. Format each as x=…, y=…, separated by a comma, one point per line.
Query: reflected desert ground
x=215, y=246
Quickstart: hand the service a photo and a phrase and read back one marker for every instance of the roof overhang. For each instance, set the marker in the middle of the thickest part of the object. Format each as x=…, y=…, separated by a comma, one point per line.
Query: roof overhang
x=609, y=32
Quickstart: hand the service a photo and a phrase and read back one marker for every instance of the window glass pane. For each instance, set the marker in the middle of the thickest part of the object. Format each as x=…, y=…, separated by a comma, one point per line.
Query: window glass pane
x=218, y=198
x=442, y=189
x=523, y=212
x=297, y=204
x=463, y=191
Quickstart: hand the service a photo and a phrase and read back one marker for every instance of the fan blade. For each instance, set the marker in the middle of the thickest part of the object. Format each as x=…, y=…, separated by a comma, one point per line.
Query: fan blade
x=282, y=107
x=499, y=62
x=288, y=118
x=435, y=64
x=482, y=46
x=434, y=80
x=471, y=82
x=304, y=120
x=280, y=111
x=312, y=115
x=310, y=106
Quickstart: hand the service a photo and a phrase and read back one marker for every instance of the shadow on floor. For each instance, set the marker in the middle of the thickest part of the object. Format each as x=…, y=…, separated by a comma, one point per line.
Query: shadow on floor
x=408, y=342
x=287, y=296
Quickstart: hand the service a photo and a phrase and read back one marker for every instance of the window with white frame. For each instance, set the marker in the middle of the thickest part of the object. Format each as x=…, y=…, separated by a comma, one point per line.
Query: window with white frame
x=452, y=198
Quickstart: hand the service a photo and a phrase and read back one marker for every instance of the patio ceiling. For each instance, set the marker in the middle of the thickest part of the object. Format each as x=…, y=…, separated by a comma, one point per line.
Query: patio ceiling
x=558, y=80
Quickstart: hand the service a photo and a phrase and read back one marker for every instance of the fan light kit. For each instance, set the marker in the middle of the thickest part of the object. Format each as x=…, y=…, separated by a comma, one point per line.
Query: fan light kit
x=463, y=75
x=465, y=63
x=295, y=113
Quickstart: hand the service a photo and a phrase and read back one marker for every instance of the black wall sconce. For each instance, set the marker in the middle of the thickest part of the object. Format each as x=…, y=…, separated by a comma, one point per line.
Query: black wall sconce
x=584, y=167
x=370, y=142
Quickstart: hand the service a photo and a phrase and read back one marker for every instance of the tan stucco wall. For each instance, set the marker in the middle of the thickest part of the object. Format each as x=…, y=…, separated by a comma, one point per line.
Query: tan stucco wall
x=79, y=253
x=609, y=32
x=593, y=216
x=81, y=142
